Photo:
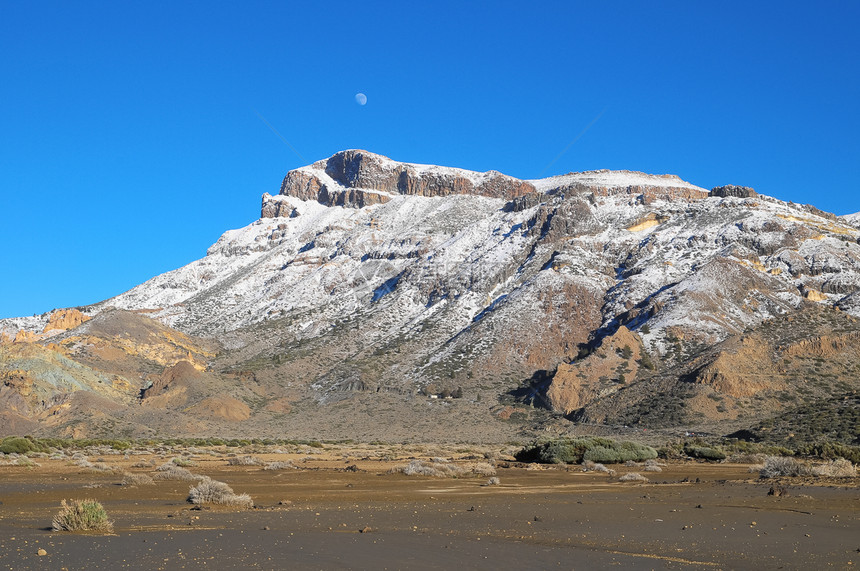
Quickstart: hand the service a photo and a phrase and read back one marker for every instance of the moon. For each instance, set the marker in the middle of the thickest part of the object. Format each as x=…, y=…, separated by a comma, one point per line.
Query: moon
x=361, y=98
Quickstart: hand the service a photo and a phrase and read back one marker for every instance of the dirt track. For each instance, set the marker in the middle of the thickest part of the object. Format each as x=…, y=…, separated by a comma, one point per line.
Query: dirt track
x=322, y=517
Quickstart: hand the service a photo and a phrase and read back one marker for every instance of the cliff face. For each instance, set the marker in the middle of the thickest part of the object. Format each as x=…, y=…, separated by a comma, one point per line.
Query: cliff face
x=358, y=178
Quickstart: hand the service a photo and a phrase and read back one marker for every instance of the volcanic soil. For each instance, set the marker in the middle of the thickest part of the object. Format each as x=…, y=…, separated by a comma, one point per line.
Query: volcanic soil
x=343, y=507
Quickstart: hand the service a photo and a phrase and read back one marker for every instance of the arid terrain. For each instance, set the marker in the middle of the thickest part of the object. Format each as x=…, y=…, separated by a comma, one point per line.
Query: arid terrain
x=347, y=506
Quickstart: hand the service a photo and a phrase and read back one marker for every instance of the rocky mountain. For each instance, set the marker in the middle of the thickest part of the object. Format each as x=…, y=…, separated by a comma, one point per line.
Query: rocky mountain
x=371, y=292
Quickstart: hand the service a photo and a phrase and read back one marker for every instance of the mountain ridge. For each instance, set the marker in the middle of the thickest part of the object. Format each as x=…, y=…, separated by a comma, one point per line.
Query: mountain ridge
x=373, y=284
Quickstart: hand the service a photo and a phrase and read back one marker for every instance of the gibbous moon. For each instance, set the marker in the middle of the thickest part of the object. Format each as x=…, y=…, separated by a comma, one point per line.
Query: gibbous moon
x=361, y=98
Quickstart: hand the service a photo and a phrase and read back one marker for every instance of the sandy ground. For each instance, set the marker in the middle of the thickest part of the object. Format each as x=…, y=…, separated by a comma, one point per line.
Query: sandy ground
x=322, y=515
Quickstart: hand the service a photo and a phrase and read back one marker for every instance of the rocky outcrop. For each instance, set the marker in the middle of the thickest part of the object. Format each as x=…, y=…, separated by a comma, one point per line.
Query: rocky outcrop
x=23, y=336
x=642, y=188
x=650, y=194
x=358, y=178
x=64, y=319
x=732, y=190
x=610, y=367
x=824, y=346
x=736, y=371
x=221, y=408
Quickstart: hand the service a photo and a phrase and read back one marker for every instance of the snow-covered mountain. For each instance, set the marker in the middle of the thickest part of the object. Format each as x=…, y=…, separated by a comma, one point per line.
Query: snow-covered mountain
x=366, y=275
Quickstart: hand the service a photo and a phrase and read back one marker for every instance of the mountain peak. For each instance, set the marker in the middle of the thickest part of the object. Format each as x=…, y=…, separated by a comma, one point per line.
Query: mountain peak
x=359, y=178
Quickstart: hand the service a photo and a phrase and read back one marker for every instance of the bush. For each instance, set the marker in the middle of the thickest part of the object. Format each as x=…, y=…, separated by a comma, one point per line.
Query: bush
x=839, y=468
x=171, y=472
x=484, y=469
x=704, y=452
x=633, y=477
x=278, y=465
x=778, y=466
x=575, y=450
x=832, y=450
x=82, y=515
x=439, y=470
x=443, y=469
x=244, y=461
x=652, y=466
x=210, y=491
x=132, y=479
x=16, y=445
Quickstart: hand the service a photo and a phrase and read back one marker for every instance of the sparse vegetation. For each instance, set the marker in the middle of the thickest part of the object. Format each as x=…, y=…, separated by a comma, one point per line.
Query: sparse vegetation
x=575, y=450
x=209, y=491
x=244, y=461
x=136, y=479
x=839, y=468
x=279, y=465
x=173, y=472
x=443, y=469
x=633, y=477
x=82, y=515
x=711, y=453
x=783, y=466
x=16, y=445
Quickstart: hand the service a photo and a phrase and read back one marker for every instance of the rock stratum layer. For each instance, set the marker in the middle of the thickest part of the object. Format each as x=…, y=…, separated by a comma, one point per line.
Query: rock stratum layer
x=378, y=299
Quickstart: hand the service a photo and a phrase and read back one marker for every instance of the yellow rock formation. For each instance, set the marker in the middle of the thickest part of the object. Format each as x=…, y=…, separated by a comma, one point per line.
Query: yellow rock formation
x=63, y=319
x=814, y=295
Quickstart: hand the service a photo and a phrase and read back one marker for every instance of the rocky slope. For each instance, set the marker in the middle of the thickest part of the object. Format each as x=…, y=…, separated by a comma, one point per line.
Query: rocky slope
x=368, y=287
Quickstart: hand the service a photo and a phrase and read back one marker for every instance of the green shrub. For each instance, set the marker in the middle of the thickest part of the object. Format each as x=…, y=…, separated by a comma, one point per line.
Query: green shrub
x=82, y=515
x=705, y=452
x=16, y=445
x=575, y=450
x=830, y=451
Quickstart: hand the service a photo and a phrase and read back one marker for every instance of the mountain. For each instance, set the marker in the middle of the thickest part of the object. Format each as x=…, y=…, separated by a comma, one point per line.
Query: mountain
x=369, y=290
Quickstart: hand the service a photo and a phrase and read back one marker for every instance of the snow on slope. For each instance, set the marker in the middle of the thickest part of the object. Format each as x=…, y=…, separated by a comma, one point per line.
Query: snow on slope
x=607, y=178
x=711, y=266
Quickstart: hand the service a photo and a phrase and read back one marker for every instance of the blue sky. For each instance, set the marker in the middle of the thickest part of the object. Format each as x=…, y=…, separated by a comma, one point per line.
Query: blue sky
x=132, y=134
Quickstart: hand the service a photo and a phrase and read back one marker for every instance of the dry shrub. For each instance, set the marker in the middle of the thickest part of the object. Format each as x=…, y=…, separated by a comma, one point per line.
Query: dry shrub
x=652, y=466
x=419, y=468
x=494, y=481
x=839, y=468
x=172, y=472
x=81, y=461
x=210, y=491
x=483, y=469
x=82, y=515
x=18, y=460
x=244, y=461
x=633, y=477
x=100, y=467
x=278, y=465
x=589, y=466
x=783, y=466
x=443, y=470
x=132, y=479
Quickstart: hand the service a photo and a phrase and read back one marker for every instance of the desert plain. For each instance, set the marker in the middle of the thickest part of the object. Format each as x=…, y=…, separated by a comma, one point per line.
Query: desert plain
x=350, y=506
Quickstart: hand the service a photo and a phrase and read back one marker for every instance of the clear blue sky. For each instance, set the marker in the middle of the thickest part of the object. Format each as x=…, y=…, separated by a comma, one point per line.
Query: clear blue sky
x=130, y=137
